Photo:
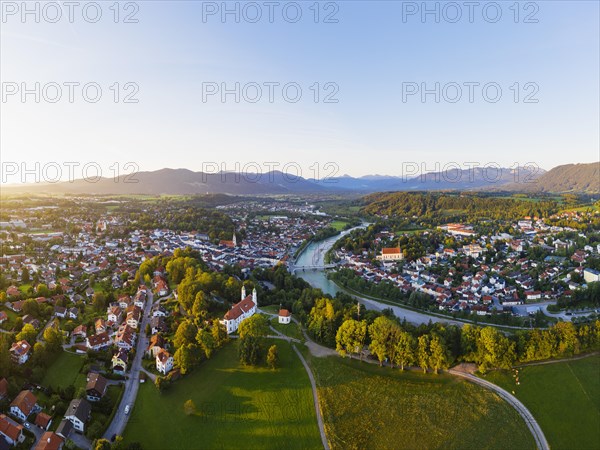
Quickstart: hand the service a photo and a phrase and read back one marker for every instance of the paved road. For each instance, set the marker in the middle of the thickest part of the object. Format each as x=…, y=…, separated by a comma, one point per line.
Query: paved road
x=132, y=384
x=536, y=430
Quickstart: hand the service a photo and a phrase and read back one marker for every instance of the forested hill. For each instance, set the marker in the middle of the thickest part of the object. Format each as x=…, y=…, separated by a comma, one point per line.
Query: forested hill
x=567, y=178
x=408, y=204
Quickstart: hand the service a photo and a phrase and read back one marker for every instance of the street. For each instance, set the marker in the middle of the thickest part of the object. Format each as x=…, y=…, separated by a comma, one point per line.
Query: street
x=120, y=419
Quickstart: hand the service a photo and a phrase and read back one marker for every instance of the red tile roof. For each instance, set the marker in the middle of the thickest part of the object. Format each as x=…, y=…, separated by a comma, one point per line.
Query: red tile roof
x=25, y=401
x=240, y=308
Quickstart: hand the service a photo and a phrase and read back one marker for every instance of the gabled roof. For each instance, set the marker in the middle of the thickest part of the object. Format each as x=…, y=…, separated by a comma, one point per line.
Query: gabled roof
x=240, y=308
x=96, y=382
x=49, y=441
x=79, y=408
x=9, y=427
x=25, y=401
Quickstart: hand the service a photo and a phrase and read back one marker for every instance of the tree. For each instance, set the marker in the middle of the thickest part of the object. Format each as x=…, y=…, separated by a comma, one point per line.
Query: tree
x=189, y=407
x=206, y=342
x=185, y=334
x=494, y=350
x=404, y=349
x=255, y=326
x=102, y=444
x=423, y=352
x=162, y=383
x=219, y=333
x=250, y=350
x=27, y=333
x=95, y=430
x=350, y=337
x=381, y=333
x=185, y=358
x=25, y=277
x=272, y=357
x=200, y=306
x=31, y=307
x=438, y=354
x=99, y=301
x=53, y=338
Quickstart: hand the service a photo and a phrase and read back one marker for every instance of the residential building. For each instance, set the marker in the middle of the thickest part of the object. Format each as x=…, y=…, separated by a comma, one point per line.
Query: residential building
x=164, y=362
x=23, y=405
x=96, y=387
x=19, y=352
x=285, y=316
x=78, y=413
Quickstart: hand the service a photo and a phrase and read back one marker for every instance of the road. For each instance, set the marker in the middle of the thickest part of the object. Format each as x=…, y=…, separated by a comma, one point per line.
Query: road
x=132, y=384
x=536, y=430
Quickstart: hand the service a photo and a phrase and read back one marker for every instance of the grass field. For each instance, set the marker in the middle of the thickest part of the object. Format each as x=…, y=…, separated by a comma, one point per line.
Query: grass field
x=563, y=397
x=237, y=407
x=366, y=406
x=339, y=225
x=64, y=371
x=291, y=329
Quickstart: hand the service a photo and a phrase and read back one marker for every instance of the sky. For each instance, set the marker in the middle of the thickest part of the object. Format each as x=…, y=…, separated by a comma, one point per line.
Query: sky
x=147, y=79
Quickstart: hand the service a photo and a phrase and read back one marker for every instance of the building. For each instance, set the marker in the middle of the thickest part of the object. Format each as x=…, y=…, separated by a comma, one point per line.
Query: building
x=98, y=341
x=591, y=275
x=43, y=421
x=240, y=311
x=96, y=387
x=11, y=431
x=64, y=428
x=3, y=388
x=285, y=316
x=390, y=254
x=23, y=405
x=19, y=352
x=78, y=413
x=49, y=441
x=119, y=361
x=164, y=362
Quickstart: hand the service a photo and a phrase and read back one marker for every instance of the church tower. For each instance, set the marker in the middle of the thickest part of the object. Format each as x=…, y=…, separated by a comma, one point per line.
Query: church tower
x=254, y=298
x=234, y=240
x=243, y=292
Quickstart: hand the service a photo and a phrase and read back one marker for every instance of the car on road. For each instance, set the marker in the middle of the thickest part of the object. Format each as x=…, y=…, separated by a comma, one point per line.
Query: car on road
x=27, y=425
x=114, y=436
x=126, y=409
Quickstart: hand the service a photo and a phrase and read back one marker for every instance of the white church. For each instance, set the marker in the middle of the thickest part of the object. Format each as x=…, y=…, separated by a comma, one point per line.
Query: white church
x=240, y=311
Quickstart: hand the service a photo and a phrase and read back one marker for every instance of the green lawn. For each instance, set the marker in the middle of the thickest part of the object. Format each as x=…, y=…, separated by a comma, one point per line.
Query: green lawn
x=366, y=406
x=339, y=225
x=291, y=329
x=237, y=407
x=563, y=397
x=64, y=371
x=12, y=316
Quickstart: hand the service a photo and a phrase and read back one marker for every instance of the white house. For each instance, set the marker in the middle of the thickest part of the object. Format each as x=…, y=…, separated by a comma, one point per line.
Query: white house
x=285, y=316
x=11, y=431
x=591, y=275
x=23, y=405
x=164, y=362
x=19, y=352
x=78, y=413
x=240, y=311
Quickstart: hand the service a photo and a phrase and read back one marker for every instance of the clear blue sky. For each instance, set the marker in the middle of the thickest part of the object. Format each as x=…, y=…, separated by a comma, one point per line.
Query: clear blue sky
x=368, y=54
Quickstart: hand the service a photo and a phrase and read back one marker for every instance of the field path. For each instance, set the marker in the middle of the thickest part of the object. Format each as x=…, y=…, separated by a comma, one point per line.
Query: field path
x=315, y=398
x=554, y=361
x=536, y=430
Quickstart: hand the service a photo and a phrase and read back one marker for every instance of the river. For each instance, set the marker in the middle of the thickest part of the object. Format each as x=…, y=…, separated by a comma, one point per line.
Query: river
x=314, y=254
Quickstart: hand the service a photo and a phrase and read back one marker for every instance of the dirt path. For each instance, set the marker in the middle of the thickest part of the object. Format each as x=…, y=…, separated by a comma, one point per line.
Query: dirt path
x=554, y=361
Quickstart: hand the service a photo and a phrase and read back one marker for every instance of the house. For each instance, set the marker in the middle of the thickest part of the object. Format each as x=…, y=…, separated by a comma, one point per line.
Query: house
x=98, y=341
x=119, y=361
x=78, y=413
x=114, y=314
x=73, y=313
x=125, y=337
x=30, y=320
x=49, y=441
x=96, y=387
x=159, y=311
x=11, y=431
x=157, y=343
x=19, y=352
x=13, y=291
x=64, y=428
x=3, y=317
x=100, y=325
x=134, y=316
x=43, y=421
x=60, y=311
x=23, y=405
x=240, y=311
x=80, y=330
x=164, y=362
x=158, y=324
x=3, y=388
x=285, y=316
x=533, y=295
x=591, y=275
x=391, y=254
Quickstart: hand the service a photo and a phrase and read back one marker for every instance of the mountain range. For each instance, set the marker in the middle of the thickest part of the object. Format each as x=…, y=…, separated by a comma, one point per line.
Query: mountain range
x=584, y=178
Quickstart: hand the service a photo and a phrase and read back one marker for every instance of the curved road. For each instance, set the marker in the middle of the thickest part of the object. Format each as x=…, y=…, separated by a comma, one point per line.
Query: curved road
x=536, y=430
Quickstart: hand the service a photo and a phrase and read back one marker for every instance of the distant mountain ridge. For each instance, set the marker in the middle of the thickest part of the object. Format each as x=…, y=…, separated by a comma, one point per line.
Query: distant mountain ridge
x=567, y=178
